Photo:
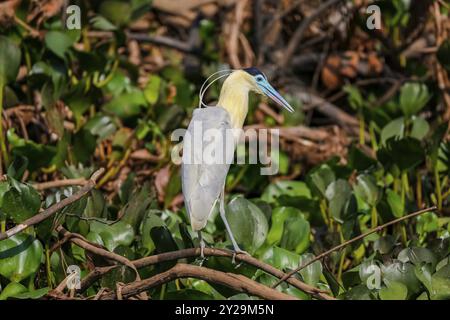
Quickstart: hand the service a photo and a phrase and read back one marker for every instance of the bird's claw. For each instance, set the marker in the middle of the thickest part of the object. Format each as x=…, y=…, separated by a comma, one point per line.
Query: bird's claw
x=236, y=252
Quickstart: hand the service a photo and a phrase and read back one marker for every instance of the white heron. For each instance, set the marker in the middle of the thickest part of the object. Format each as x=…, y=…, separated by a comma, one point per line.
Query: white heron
x=203, y=183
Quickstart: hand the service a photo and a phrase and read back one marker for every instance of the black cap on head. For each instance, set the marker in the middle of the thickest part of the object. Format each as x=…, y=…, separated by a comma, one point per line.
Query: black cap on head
x=254, y=71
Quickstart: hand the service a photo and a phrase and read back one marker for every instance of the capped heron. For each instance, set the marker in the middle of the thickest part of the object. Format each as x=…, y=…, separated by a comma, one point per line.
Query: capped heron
x=203, y=184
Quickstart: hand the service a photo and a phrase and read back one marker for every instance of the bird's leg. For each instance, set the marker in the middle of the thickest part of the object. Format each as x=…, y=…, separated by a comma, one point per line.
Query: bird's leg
x=202, y=244
x=227, y=226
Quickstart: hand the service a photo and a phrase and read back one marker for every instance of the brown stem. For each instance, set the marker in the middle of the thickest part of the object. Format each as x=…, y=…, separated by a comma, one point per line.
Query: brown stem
x=237, y=282
x=195, y=252
x=54, y=208
x=60, y=183
x=361, y=236
x=298, y=34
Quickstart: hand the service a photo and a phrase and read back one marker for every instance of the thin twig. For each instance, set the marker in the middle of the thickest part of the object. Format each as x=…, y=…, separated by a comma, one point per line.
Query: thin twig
x=235, y=281
x=361, y=236
x=54, y=208
x=298, y=35
x=208, y=252
x=60, y=183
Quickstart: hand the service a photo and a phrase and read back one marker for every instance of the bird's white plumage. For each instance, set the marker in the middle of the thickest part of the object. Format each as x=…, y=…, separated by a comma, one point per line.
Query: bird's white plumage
x=203, y=182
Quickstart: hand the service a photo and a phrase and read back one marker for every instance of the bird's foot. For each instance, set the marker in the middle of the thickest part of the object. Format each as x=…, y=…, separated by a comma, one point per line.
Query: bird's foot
x=237, y=251
x=202, y=254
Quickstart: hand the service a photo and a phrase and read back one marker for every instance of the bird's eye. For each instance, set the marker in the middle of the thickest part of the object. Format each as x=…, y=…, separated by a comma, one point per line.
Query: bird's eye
x=259, y=78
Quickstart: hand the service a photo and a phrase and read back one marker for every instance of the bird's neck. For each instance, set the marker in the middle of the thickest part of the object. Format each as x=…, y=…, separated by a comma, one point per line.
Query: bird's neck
x=234, y=98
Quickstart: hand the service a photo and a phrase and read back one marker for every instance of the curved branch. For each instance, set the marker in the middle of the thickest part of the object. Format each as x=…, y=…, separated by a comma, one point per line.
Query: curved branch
x=231, y=280
x=346, y=243
x=211, y=252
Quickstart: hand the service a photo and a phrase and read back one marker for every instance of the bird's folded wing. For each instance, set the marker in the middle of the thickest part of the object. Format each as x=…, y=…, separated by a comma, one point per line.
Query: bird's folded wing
x=208, y=149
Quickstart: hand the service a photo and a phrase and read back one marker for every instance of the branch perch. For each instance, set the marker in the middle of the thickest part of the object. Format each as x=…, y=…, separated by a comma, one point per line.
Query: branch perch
x=54, y=208
x=195, y=252
x=181, y=270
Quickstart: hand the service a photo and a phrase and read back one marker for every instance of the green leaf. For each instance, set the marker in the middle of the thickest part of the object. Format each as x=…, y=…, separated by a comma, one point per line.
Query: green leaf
x=310, y=274
x=281, y=258
x=101, y=23
x=20, y=257
x=12, y=289
x=420, y=128
x=33, y=294
x=148, y=223
x=118, y=233
x=296, y=234
x=418, y=256
x=127, y=104
x=4, y=188
x=59, y=42
x=101, y=126
x=38, y=155
x=403, y=273
x=423, y=273
x=338, y=194
x=358, y=160
x=247, y=222
x=164, y=242
x=440, y=284
x=322, y=177
x=395, y=203
x=394, y=291
x=137, y=206
x=355, y=98
x=289, y=188
x=367, y=189
x=427, y=222
x=10, y=56
x=406, y=153
x=21, y=201
x=359, y=292
x=118, y=12
x=413, y=97
x=279, y=216
x=151, y=90
x=395, y=128
x=385, y=244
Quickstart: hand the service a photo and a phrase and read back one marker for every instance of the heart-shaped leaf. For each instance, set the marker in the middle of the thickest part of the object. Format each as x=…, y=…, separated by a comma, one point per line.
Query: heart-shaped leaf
x=9, y=60
x=413, y=97
x=338, y=194
x=394, y=291
x=367, y=189
x=279, y=216
x=310, y=274
x=406, y=153
x=248, y=223
x=322, y=177
x=296, y=234
x=440, y=284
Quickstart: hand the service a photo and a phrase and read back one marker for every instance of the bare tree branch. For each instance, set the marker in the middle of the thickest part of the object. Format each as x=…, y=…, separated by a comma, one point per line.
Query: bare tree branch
x=231, y=280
